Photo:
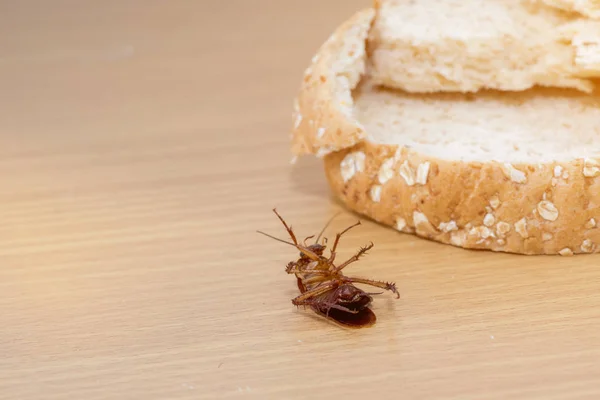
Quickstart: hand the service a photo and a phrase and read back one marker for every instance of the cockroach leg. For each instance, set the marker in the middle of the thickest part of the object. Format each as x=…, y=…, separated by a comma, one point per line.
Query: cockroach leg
x=339, y=235
x=337, y=240
x=292, y=267
x=288, y=228
x=318, y=276
x=383, y=285
x=312, y=293
x=354, y=258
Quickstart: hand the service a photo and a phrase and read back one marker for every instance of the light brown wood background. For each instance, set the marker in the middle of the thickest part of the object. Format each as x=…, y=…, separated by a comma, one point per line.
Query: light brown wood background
x=142, y=143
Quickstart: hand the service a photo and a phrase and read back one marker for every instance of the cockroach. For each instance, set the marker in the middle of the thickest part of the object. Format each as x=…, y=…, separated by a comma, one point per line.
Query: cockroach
x=324, y=288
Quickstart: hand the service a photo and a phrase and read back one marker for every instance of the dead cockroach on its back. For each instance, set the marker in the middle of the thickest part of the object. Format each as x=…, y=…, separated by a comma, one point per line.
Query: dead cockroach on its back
x=323, y=286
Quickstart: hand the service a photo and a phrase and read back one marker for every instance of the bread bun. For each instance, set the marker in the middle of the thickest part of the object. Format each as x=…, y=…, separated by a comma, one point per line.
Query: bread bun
x=471, y=126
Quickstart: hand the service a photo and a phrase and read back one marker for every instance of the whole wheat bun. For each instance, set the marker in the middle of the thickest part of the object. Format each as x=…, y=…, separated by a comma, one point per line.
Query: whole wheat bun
x=471, y=126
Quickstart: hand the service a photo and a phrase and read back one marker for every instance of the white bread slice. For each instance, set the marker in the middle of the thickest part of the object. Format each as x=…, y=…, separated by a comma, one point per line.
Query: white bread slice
x=530, y=127
x=468, y=45
x=504, y=171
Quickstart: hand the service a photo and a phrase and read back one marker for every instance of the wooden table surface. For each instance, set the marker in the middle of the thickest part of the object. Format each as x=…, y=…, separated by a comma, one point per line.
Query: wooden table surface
x=142, y=143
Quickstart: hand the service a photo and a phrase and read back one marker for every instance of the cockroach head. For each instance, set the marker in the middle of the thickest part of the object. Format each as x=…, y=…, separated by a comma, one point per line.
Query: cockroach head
x=316, y=248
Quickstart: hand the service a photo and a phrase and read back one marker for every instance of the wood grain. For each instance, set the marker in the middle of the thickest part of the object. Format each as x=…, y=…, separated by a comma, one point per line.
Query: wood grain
x=142, y=143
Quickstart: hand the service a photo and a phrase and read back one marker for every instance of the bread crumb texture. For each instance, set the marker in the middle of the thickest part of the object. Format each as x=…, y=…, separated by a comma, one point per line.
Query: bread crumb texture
x=471, y=126
x=462, y=46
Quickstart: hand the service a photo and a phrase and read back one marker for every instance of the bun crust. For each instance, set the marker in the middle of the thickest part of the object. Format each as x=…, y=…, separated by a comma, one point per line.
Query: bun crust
x=470, y=204
x=322, y=118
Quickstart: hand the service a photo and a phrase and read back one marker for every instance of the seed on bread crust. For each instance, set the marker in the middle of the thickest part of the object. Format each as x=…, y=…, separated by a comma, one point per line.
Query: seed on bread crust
x=558, y=170
x=489, y=220
x=521, y=228
x=386, y=171
x=590, y=168
x=458, y=238
x=495, y=202
x=376, y=193
x=502, y=228
x=422, y=223
x=351, y=164
x=566, y=252
x=587, y=246
x=407, y=173
x=482, y=232
x=422, y=173
x=448, y=226
x=514, y=174
x=402, y=225
x=547, y=210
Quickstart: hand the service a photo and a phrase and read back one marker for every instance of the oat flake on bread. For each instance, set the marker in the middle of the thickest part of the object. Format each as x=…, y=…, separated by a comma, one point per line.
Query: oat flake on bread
x=468, y=125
